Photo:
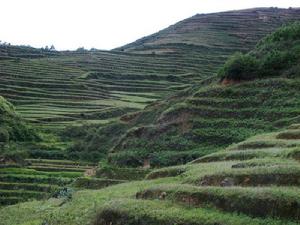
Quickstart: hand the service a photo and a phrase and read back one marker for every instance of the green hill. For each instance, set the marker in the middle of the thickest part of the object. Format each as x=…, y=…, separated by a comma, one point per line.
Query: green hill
x=231, y=31
x=157, y=101
x=212, y=114
x=58, y=89
x=254, y=182
x=55, y=89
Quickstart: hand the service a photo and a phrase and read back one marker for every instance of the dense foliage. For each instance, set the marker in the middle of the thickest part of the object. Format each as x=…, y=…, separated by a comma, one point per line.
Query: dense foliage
x=12, y=127
x=275, y=55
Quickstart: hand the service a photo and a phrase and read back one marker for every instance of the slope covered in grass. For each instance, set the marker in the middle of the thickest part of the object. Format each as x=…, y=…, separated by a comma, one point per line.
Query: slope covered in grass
x=219, y=192
x=211, y=114
x=111, y=91
x=233, y=31
x=37, y=179
x=55, y=89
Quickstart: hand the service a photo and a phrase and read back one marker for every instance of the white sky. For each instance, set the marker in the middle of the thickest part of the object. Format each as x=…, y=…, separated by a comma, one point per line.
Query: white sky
x=103, y=24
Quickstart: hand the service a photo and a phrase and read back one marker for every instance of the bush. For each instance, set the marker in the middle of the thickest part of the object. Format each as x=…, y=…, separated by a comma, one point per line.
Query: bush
x=94, y=183
x=4, y=135
x=239, y=67
x=112, y=172
x=273, y=56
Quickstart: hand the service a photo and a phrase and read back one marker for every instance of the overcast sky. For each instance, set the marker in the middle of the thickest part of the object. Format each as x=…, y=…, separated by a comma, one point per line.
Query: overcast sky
x=103, y=24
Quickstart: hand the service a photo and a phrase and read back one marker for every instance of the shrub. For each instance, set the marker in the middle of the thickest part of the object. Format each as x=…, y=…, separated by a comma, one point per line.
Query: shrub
x=4, y=135
x=239, y=67
x=273, y=56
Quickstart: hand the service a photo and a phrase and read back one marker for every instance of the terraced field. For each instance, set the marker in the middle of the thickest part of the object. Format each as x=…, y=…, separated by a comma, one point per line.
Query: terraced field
x=223, y=192
x=219, y=111
x=208, y=120
x=39, y=179
x=230, y=31
x=57, y=91
x=54, y=89
x=228, y=187
x=199, y=115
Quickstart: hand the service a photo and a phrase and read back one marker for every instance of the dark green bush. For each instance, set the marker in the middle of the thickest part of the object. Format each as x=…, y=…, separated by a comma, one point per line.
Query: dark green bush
x=239, y=67
x=4, y=135
x=273, y=56
x=112, y=172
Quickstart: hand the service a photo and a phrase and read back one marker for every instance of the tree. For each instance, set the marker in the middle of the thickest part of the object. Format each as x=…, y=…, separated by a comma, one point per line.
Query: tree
x=240, y=67
x=4, y=135
x=52, y=48
x=80, y=49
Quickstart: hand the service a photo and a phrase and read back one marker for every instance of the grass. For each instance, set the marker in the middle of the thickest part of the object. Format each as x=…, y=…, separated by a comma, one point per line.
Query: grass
x=260, y=202
x=94, y=183
x=228, y=115
x=37, y=180
x=54, y=89
x=155, y=212
x=175, y=195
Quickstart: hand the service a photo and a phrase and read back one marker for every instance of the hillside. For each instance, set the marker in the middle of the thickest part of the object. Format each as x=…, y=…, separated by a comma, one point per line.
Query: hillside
x=255, y=182
x=55, y=89
x=231, y=31
x=212, y=114
x=165, y=102
x=90, y=86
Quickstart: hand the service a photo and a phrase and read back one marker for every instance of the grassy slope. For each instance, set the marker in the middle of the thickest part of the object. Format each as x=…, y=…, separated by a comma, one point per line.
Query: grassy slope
x=216, y=114
x=55, y=89
x=202, y=193
x=232, y=30
x=37, y=179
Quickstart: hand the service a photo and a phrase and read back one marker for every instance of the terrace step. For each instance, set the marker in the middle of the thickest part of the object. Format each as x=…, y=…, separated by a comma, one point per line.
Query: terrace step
x=258, y=202
x=240, y=155
x=10, y=200
x=258, y=176
x=22, y=194
x=149, y=212
x=56, y=169
x=28, y=186
x=34, y=179
x=61, y=162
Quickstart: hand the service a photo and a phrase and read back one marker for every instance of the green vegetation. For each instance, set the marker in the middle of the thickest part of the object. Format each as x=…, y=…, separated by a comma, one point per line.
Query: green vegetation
x=207, y=120
x=111, y=172
x=87, y=94
x=212, y=115
x=178, y=195
x=277, y=54
x=94, y=183
x=12, y=127
x=100, y=129
x=37, y=179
